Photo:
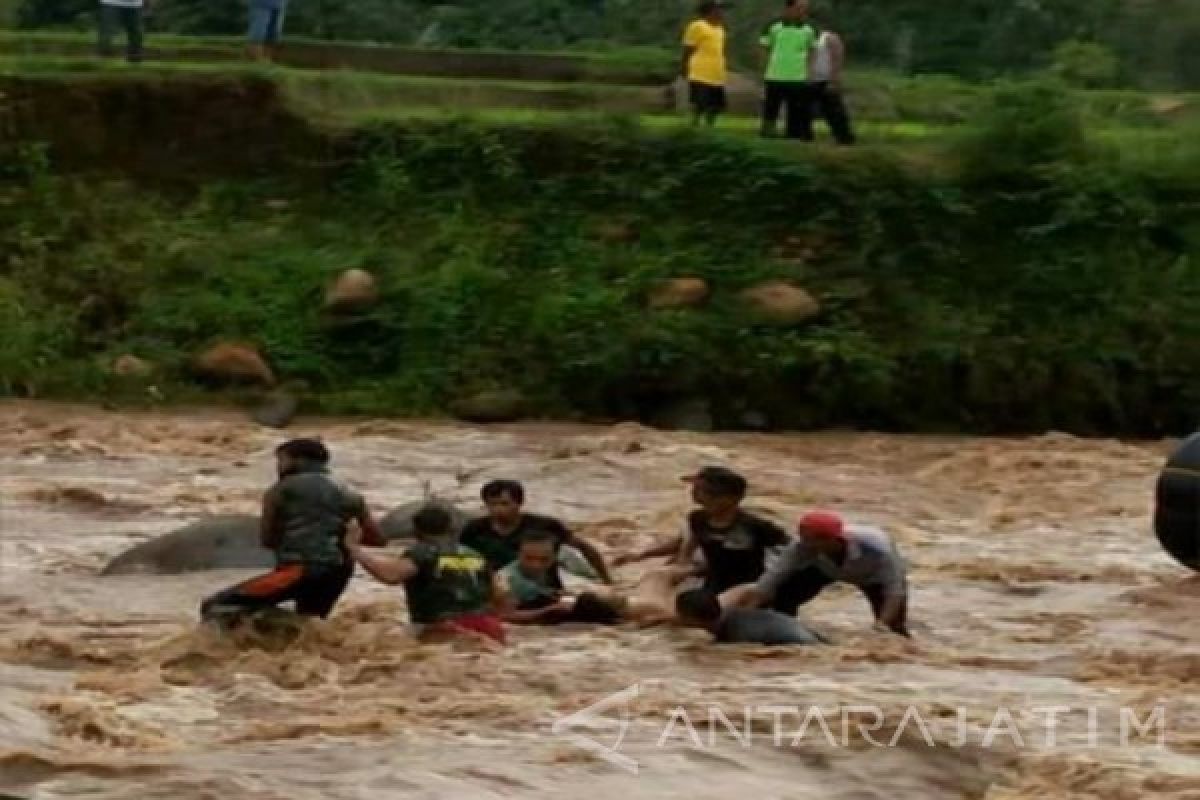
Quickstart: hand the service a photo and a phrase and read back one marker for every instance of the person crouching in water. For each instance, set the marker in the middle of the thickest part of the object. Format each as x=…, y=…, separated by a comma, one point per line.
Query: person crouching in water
x=830, y=551
x=304, y=521
x=448, y=585
x=700, y=608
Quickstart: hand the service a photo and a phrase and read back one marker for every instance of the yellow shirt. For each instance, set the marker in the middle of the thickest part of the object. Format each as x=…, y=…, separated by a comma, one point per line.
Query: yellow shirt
x=707, y=64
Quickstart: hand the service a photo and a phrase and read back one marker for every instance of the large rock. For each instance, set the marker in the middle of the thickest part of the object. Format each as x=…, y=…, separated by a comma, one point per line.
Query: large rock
x=234, y=362
x=781, y=303
x=491, y=405
x=227, y=541
x=678, y=293
x=353, y=291
x=276, y=410
x=398, y=523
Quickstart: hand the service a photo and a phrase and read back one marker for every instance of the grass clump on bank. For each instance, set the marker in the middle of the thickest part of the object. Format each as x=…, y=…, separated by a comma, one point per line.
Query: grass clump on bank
x=1062, y=292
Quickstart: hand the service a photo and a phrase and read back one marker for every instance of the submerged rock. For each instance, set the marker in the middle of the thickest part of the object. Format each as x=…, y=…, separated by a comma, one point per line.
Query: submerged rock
x=398, y=523
x=226, y=541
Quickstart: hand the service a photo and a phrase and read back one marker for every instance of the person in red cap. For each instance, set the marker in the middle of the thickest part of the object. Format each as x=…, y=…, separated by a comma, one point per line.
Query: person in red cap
x=734, y=543
x=830, y=551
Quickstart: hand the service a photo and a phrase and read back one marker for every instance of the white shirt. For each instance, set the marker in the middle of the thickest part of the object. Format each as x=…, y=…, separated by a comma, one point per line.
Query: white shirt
x=822, y=67
x=871, y=560
x=122, y=3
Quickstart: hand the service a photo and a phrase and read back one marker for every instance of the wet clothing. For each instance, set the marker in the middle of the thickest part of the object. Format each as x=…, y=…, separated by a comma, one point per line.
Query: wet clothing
x=501, y=550
x=736, y=554
x=485, y=623
x=707, y=63
x=311, y=513
x=762, y=626
x=872, y=563
x=314, y=589
x=452, y=580
x=526, y=591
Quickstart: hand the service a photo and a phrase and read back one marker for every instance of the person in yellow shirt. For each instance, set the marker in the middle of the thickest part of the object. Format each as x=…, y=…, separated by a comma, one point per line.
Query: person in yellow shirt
x=704, y=61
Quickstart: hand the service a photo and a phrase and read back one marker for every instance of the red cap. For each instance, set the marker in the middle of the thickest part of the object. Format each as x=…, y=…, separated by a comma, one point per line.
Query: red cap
x=822, y=525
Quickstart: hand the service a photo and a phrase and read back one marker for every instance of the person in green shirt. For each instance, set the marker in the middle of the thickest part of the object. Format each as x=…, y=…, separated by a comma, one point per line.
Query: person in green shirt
x=788, y=47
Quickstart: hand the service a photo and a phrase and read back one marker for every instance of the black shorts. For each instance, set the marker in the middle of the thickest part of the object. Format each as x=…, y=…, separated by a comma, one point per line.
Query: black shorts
x=706, y=98
x=314, y=589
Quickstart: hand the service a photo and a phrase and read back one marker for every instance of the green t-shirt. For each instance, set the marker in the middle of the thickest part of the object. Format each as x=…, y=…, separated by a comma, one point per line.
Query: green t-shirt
x=789, y=45
x=451, y=580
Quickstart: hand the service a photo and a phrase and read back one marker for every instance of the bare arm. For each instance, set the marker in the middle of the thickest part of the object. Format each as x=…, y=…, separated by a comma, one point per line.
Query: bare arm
x=688, y=51
x=385, y=569
x=745, y=596
x=664, y=548
x=591, y=555
x=372, y=535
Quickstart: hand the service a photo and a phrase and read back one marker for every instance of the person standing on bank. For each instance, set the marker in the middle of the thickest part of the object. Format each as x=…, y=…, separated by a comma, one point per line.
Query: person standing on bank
x=788, y=45
x=266, y=28
x=825, y=87
x=704, y=62
x=125, y=14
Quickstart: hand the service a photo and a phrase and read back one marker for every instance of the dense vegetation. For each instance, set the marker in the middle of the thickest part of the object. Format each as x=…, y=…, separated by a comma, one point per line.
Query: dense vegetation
x=1033, y=280
x=1138, y=42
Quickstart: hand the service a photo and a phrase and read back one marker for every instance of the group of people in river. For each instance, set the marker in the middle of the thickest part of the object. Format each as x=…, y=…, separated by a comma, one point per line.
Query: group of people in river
x=734, y=573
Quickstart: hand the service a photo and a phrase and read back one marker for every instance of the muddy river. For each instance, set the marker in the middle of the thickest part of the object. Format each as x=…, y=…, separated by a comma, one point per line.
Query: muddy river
x=1055, y=654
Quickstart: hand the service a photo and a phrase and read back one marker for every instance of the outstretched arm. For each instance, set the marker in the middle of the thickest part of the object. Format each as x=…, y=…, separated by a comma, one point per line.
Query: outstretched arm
x=385, y=569
x=591, y=554
x=664, y=548
x=372, y=535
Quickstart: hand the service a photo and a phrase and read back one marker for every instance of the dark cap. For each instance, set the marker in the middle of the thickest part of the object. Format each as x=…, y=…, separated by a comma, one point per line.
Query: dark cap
x=709, y=6
x=720, y=480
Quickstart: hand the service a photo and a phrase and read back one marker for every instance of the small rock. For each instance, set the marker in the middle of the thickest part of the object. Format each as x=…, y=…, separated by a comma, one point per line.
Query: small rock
x=354, y=290
x=492, y=405
x=693, y=414
x=276, y=411
x=781, y=303
x=233, y=362
x=130, y=366
x=678, y=293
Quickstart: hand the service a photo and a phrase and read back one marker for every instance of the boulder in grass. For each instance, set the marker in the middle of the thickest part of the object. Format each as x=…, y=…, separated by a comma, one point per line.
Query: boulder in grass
x=781, y=303
x=234, y=363
x=353, y=291
x=130, y=366
x=678, y=293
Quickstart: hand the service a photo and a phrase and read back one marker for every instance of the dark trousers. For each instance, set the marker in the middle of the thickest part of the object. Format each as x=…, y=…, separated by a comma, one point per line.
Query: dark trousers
x=808, y=583
x=114, y=17
x=314, y=589
x=828, y=104
x=793, y=98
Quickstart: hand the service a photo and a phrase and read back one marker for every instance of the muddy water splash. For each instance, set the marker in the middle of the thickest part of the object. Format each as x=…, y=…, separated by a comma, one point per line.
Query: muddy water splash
x=1036, y=580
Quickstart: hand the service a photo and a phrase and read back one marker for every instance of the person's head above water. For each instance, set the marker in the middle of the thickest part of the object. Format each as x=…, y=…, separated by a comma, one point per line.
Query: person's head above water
x=503, y=499
x=824, y=531
x=298, y=453
x=698, y=608
x=432, y=522
x=717, y=490
x=537, y=554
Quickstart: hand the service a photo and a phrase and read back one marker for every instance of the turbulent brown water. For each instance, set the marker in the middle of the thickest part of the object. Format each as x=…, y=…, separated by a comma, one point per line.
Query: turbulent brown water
x=1036, y=583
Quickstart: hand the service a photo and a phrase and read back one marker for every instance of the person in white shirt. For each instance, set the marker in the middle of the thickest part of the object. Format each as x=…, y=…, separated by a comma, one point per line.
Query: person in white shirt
x=825, y=85
x=827, y=552
x=125, y=14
